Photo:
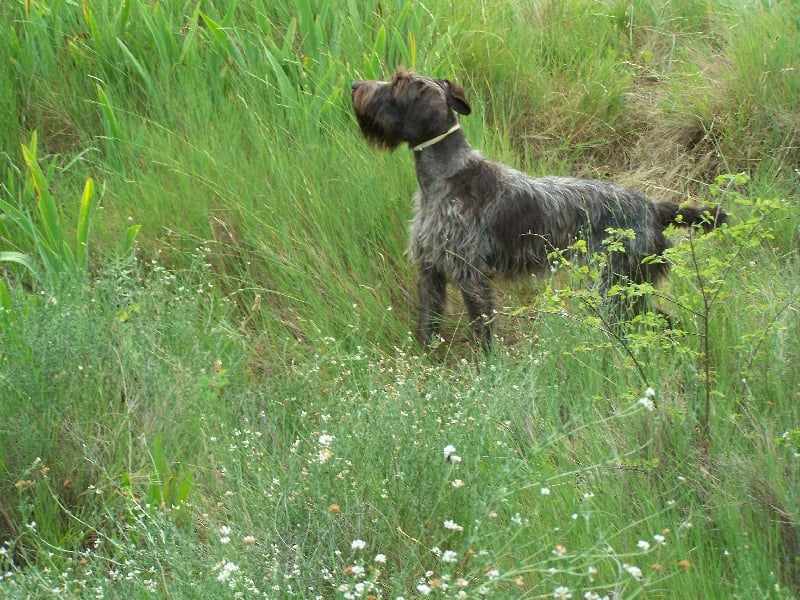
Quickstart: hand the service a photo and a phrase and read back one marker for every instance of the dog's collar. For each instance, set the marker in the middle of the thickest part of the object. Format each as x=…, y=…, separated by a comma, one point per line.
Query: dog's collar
x=437, y=139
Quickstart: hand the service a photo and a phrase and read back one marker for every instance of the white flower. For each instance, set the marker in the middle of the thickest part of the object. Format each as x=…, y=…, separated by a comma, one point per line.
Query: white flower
x=227, y=570
x=562, y=593
x=450, y=524
x=457, y=483
x=449, y=453
x=660, y=539
x=325, y=440
x=650, y=393
x=424, y=589
x=647, y=403
x=358, y=544
x=545, y=491
x=224, y=534
x=645, y=546
x=380, y=558
x=634, y=572
x=492, y=574
x=449, y=556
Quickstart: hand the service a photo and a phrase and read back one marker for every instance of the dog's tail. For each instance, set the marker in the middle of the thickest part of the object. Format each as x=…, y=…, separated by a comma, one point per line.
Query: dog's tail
x=707, y=217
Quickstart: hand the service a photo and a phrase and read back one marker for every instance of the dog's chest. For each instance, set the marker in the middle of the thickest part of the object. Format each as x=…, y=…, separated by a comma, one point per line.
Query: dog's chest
x=441, y=229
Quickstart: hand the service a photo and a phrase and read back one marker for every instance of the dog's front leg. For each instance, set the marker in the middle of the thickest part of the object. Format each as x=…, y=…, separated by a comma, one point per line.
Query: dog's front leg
x=432, y=295
x=479, y=301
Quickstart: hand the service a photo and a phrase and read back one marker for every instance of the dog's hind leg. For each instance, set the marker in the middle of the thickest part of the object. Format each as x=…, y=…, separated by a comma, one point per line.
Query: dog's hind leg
x=479, y=301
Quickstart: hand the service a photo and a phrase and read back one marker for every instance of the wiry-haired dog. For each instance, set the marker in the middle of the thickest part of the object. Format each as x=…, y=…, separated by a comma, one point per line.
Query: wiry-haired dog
x=475, y=219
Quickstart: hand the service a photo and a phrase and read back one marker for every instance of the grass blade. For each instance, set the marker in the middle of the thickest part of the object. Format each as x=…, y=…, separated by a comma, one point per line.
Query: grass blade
x=84, y=217
x=224, y=41
x=9, y=256
x=130, y=239
x=6, y=306
x=53, y=235
x=146, y=79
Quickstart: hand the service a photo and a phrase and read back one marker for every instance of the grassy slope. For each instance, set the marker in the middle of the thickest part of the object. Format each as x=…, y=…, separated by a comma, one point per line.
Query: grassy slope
x=189, y=393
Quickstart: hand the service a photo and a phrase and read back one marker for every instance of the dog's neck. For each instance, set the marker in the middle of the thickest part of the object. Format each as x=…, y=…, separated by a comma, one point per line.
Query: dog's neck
x=442, y=159
x=437, y=139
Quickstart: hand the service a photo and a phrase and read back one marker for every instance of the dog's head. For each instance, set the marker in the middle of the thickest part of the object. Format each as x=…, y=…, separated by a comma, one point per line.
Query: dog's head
x=409, y=108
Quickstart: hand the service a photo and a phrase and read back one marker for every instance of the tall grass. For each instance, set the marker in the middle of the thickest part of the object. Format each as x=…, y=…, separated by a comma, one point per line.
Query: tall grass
x=234, y=407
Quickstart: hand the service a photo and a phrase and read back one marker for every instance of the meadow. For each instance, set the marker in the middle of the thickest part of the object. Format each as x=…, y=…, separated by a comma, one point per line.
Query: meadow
x=208, y=383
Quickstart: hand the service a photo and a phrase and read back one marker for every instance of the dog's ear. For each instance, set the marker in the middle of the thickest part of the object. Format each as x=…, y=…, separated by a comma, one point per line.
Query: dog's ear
x=456, y=98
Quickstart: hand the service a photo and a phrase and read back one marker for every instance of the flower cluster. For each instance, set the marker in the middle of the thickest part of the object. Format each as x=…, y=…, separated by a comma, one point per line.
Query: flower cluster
x=647, y=399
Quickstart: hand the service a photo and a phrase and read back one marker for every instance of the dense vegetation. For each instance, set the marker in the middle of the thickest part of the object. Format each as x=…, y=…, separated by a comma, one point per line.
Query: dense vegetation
x=208, y=387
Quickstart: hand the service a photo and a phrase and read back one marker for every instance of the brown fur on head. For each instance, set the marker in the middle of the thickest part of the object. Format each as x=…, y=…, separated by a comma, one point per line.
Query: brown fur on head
x=406, y=109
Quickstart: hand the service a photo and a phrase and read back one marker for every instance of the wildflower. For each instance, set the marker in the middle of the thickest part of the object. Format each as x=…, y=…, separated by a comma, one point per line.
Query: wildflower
x=562, y=593
x=227, y=570
x=224, y=534
x=450, y=556
x=545, y=491
x=452, y=525
x=357, y=571
x=325, y=440
x=644, y=546
x=324, y=456
x=449, y=453
x=559, y=550
x=492, y=573
x=633, y=571
x=424, y=589
x=380, y=558
x=647, y=403
x=660, y=539
x=249, y=540
x=457, y=483
x=358, y=545
x=650, y=393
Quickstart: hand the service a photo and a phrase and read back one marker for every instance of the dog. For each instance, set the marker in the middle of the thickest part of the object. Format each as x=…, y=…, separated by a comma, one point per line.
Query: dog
x=475, y=219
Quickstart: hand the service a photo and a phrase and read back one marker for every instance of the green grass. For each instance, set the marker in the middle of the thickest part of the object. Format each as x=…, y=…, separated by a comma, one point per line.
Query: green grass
x=226, y=410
